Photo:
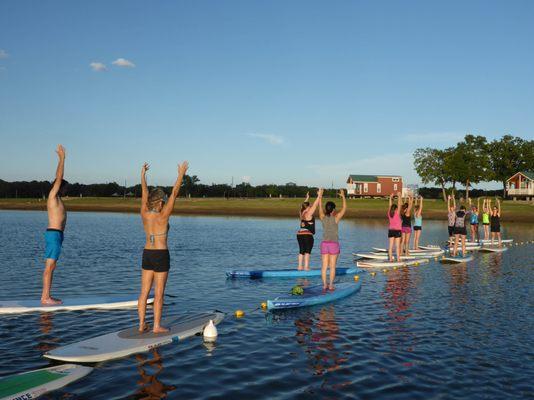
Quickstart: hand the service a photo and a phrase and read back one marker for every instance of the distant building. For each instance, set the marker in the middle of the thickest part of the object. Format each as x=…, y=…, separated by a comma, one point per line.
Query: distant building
x=292, y=184
x=373, y=185
x=521, y=185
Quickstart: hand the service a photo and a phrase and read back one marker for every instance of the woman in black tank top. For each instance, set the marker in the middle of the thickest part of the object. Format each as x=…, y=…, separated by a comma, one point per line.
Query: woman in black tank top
x=306, y=231
x=495, y=223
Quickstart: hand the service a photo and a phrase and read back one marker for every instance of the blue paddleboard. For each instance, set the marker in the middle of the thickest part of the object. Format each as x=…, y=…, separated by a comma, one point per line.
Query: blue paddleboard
x=284, y=273
x=313, y=295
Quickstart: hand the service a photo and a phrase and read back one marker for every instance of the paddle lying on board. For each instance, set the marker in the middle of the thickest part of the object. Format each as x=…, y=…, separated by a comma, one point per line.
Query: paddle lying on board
x=81, y=303
x=130, y=341
x=284, y=273
x=32, y=384
x=313, y=295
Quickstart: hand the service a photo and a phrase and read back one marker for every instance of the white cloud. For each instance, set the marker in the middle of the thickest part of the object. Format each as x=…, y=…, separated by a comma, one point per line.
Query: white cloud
x=275, y=140
x=3, y=54
x=434, y=137
x=121, y=62
x=385, y=164
x=97, y=66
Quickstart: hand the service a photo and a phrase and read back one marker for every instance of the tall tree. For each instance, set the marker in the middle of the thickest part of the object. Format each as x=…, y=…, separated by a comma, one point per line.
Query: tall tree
x=431, y=166
x=471, y=161
x=508, y=156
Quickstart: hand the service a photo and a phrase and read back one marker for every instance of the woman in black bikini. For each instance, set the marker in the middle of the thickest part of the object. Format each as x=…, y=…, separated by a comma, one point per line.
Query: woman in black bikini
x=155, y=212
x=307, y=230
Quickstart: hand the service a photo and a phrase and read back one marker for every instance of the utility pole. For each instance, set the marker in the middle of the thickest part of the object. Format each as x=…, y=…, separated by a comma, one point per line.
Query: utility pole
x=124, y=197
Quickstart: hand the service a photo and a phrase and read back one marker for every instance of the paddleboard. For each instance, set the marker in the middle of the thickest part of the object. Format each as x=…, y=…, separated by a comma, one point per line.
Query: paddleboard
x=32, y=384
x=284, y=273
x=451, y=259
x=388, y=264
x=493, y=249
x=496, y=241
x=313, y=295
x=421, y=250
x=81, y=303
x=130, y=341
x=375, y=256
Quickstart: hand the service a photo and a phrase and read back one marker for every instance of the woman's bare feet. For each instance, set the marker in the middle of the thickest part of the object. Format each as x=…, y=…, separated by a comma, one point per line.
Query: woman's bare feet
x=331, y=288
x=160, y=329
x=51, y=302
x=144, y=328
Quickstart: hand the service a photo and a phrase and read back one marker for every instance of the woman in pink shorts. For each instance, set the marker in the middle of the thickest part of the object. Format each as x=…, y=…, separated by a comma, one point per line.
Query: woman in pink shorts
x=330, y=244
x=395, y=226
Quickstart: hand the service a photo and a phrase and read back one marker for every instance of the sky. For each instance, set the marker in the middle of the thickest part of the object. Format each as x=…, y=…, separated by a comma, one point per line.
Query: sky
x=258, y=91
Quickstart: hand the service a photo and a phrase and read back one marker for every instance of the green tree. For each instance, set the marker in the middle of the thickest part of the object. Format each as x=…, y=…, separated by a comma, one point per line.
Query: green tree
x=508, y=156
x=432, y=166
x=470, y=161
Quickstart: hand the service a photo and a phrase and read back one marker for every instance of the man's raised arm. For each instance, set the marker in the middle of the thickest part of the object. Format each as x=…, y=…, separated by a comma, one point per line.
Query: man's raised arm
x=60, y=170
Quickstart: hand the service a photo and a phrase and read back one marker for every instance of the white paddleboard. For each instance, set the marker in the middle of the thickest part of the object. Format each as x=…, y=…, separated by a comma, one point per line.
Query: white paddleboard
x=451, y=259
x=421, y=250
x=130, y=341
x=375, y=256
x=388, y=264
x=32, y=384
x=81, y=303
x=493, y=249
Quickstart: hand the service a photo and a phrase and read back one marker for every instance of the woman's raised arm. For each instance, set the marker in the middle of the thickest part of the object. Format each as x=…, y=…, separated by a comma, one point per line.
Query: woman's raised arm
x=182, y=169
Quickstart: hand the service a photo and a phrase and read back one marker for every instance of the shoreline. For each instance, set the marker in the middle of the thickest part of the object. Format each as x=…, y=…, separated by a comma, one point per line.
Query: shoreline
x=276, y=208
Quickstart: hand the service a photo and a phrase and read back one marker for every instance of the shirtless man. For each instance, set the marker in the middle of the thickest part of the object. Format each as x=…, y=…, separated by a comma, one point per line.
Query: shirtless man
x=57, y=218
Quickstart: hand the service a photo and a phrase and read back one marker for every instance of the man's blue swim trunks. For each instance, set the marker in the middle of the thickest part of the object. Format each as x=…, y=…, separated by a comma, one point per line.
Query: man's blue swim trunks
x=54, y=240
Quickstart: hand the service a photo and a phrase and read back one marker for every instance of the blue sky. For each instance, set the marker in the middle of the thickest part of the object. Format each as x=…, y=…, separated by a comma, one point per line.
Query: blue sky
x=269, y=92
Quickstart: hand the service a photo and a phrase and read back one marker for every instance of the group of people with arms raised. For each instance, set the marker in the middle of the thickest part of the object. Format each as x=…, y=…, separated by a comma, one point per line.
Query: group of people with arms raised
x=156, y=208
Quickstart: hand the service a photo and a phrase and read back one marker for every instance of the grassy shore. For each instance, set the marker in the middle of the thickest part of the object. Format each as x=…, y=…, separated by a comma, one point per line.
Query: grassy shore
x=357, y=208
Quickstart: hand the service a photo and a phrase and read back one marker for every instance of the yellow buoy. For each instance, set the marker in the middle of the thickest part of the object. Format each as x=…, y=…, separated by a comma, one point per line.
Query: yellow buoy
x=416, y=264
x=356, y=278
x=263, y=305
x=239, y=313
x=395, y=268
x=373, y=273
x=384, y=270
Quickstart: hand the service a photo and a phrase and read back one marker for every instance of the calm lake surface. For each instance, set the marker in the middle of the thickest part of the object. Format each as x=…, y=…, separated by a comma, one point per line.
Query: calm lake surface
x=433, y=331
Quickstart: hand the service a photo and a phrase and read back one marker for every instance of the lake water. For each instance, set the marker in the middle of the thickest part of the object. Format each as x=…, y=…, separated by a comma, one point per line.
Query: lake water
x=433, y=331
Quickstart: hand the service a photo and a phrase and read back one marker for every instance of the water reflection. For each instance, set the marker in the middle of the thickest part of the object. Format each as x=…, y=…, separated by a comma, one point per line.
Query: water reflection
x=151, y=388
x=319, y=333
x=46, y=341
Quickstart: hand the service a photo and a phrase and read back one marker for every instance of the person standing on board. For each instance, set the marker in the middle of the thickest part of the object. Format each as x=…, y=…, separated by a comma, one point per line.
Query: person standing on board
x=395, y=227
x=417, y=222
x=473, y=220
x=460, y=231
x=486, y=205
x=57, y=219
x=406, y=228
x=451, y=215
x=330, y=244
x=155, y=212
x=495, y=223
x=307, y=230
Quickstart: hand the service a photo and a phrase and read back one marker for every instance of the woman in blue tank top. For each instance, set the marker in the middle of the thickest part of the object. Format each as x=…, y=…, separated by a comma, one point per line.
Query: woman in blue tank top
x=473, y=220
x=417, y=222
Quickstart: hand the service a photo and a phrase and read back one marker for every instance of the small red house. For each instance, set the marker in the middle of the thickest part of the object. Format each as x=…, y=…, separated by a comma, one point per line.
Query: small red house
x=373, y=185
x=521, y=185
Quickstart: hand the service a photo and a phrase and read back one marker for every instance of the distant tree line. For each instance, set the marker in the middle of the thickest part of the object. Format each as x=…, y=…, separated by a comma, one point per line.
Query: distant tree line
x=191, y=186
x=474, y=160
